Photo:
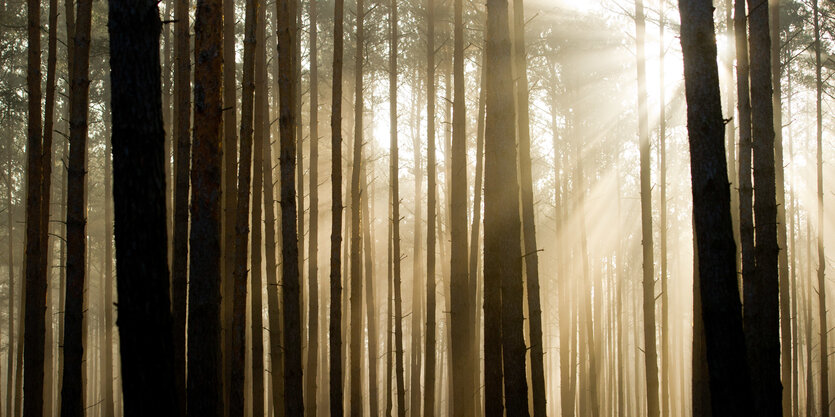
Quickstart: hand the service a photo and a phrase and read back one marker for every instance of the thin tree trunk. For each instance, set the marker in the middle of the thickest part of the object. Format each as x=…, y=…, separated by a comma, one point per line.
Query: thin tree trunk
x=237, y=356
x=145, y=322
x=335, y=330
x=824, y=330
x=182, y=140
x=503, y=321
x=761, y=294
x=530, y=250
x=650, y=355
x=662, y=162
x=394, y=177
x=713, y=230
x=288, y=82
x=371, y=309
x=10, y=226
x=204, y=320
x=417, y=307
x=461, y=312
x=72, y=394
x=313, y=266
x=429, y=347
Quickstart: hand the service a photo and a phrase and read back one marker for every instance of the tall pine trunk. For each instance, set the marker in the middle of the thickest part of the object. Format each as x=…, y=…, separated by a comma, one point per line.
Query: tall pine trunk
x=335, y=325
x=530, y=251
x=108, y=307
x=662, y=203
x=822, y=321
x=417, y=306
x=288, y=80
x=370, y=295
x=204, y=292
x=650, y=355
x=11, y=329
x=761, y=293
x=313, y=268
x=713, y=229
x=431, y=197
x=145, y=323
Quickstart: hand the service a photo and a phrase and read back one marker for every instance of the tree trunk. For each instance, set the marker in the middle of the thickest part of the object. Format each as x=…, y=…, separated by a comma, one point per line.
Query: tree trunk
x=204, y=320
x=288, y=80
x=182, y=139
x=718, y=291
x=394, y=177
x=530, y=251
x=9, y=355
x=34, y=257
x=461, y=313
x=313, y=267
x=72, y=394
x=335, y=329
x=429, y=347
x=417, y=312
x=145, y=322
x=761, y=294
x=650, y=355
x=237, y=356
x=824, y=330
x=503, y=321
x=662, y=162
x=370, y=300
x=107, y=317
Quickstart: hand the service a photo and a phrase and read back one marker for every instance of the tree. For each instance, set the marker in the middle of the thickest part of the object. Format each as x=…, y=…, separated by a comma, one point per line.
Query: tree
x=335, y=330
x=313, y=259
x=650, y=355
x=461, y=312
x=204, y=337
x=530, y=251
x=288, y=80
x=145, y=322
x=822, y=321
x=429, y=349
x=713, y=229
x=72, y=397
x=761, y=293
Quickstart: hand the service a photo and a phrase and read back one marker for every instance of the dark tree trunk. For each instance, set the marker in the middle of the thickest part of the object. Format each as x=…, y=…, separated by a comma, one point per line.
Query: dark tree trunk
x=394, y=177
x=530, y=250
x=461, y=313
x=335, y=329
x=34, y=257
x=370, y=296
x=429, y=347
x=237, y=356
x=761, y=293
x=822, y=321
x=204, y=320
x=182, y=140
x=417, y=300
x=313, y=268
x=718, y=291
x=145, y=323
x=650, y=355
x=72, y=388
x=288, y=80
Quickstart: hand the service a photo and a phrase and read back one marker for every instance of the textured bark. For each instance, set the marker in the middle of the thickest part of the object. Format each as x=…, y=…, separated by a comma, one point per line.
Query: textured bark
x=311, y=368
x=822, y=321
x=504, y=347
x=288, y=80
x=370, y=297
x=761, y=293
x=356, y=265
x=237, y=356
x=72, y=395
x=530, y=250
x=650, y=353
x=204, y=320
x=461, y=313
x=335, y=329
x=431, y=197
x=182, y=141
x=34, y=257
x=394, y=177
x=145, y=323
x=718, y=291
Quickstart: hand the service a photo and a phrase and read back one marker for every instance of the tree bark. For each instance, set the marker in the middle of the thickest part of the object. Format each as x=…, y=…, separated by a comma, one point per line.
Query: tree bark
x=107, y=316
x=145, y=322
x=761, y=293
x=11, y=329
x=417, y=306
x=429, y=347
x=229, y=189
x=335, y=329
x=288, y=80
x=822, y=321
x=718, y=291
x=662, y=162
x=530, y=251
x=650, y=355
x=204, y=321
x=370, y=296
x=313, y=267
